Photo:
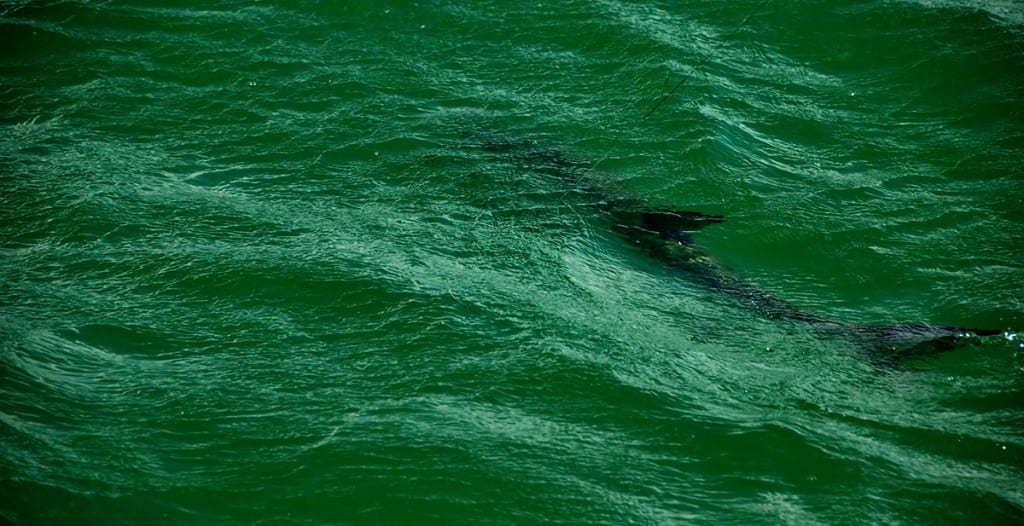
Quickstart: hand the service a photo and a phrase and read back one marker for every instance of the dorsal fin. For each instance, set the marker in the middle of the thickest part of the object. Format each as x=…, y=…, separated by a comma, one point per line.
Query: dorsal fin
x=682, y=220
x=675, y=224
x=665, y=224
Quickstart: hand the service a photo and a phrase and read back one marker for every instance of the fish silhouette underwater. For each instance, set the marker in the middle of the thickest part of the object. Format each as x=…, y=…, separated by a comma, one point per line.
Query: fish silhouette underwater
x=665, y=235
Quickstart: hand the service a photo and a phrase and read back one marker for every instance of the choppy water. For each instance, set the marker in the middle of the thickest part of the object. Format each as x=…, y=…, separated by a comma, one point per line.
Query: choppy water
x=255, y=270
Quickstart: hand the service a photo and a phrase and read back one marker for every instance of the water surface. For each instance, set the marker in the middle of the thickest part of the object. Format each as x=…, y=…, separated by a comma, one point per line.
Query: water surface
x=257, y=269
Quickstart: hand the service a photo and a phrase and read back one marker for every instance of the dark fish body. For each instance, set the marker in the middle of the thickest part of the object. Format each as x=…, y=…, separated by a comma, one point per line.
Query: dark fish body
x=665, y=235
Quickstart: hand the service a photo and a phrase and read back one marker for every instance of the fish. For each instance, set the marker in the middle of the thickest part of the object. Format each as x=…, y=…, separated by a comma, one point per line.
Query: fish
x=666, y=235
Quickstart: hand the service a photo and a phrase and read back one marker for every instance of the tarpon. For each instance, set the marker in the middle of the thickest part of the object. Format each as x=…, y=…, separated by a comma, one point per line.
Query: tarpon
x=665, y=235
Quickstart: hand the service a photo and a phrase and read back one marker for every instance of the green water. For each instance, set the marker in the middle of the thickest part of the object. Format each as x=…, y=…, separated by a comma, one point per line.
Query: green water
x=256, y=269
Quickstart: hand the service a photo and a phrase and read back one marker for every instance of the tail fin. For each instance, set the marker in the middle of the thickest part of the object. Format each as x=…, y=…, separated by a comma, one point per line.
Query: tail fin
x=899, y=341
